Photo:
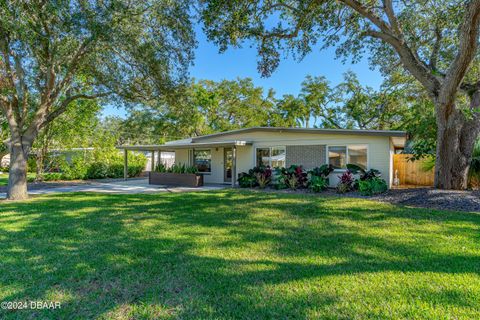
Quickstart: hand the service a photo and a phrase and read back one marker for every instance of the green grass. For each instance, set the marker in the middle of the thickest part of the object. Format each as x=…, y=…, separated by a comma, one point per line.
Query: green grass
x=237, y=254
x=4, y=178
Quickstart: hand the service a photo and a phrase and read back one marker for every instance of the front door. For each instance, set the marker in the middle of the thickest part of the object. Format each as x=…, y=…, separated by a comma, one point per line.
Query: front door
x=227, y=164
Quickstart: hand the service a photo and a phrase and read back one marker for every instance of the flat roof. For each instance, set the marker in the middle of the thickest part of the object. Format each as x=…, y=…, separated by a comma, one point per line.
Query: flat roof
x=175, y=146
x=387, y=133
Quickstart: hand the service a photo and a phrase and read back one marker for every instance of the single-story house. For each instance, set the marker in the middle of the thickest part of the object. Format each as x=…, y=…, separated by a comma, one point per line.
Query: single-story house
x=220, y=157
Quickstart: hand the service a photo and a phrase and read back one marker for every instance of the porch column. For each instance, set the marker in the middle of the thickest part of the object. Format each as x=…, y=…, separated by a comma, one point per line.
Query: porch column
x=159, y=156
x=234, y=166
x=152, y=162
x=125, y=164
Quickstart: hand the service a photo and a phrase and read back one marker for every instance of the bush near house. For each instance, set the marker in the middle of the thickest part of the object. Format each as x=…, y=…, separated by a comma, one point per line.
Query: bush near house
x=316, y=180
x=96, y=165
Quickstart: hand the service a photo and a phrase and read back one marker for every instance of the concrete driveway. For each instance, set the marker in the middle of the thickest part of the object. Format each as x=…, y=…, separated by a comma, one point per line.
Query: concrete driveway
x=130, y=186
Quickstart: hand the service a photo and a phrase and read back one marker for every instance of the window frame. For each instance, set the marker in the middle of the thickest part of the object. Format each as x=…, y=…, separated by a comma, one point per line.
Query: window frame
x=194, y=164
x=270, y=154
x=327, y=159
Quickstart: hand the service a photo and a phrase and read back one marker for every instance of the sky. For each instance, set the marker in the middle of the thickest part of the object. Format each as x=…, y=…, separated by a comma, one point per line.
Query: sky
x=287, y=79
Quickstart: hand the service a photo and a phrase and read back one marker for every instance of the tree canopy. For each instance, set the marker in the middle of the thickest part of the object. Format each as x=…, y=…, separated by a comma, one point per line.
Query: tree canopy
x=53, y=53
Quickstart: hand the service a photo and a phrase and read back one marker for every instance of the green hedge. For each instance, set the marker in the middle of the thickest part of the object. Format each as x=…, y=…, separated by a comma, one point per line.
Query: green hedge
x=95, y=166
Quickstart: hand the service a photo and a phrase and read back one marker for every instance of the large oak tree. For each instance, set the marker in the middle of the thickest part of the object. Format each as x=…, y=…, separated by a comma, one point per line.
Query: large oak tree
x=436, y=41
x=53, y=53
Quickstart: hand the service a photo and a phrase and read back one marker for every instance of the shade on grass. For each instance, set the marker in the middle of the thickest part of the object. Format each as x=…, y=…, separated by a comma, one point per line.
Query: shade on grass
x=237, y=254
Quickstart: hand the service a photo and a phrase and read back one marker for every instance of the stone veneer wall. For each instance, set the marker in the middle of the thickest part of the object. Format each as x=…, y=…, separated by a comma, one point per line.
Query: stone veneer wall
x=309, y=157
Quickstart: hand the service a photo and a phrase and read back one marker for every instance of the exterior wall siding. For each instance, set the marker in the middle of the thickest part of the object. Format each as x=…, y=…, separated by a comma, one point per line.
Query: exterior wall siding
x=309, y=157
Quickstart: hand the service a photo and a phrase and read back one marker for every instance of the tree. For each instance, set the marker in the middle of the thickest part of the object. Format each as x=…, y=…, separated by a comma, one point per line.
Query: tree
x=203, y=107
x=53, y=53
x=75, y=128
x=435, y=41
x=4, y=135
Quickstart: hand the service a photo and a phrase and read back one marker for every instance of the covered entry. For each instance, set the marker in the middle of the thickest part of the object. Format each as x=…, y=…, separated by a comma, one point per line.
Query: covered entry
x=217, y=161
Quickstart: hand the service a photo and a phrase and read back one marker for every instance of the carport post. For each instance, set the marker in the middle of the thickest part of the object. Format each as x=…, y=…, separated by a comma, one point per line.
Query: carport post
x=234, y=165
x=125, y=164
x=152, y=164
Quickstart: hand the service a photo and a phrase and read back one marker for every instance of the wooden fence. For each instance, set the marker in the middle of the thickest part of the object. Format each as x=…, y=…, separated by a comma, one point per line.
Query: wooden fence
x=411, y=172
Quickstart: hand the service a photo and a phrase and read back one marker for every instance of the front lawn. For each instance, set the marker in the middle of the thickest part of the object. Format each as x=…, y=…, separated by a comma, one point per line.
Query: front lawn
x=237, y=254
x=4, y=178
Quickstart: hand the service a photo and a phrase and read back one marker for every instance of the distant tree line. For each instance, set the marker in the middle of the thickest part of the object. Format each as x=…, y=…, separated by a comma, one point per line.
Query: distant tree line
x=207, y=106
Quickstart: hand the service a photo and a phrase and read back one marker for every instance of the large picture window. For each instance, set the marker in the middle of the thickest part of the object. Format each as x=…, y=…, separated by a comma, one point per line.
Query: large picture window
x=272, y=157
x=340, y=156
x=202, y=159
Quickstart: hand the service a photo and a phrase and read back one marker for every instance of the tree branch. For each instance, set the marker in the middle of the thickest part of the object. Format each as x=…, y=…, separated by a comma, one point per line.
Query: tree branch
x=392, y=18
x=65, y=103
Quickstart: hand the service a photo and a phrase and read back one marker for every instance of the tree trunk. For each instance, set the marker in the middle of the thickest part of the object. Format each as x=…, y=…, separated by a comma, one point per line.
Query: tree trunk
x=17, y=178
x=456, y=136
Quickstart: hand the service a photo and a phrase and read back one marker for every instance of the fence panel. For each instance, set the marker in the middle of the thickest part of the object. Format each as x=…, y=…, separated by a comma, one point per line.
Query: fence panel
x=411, y=172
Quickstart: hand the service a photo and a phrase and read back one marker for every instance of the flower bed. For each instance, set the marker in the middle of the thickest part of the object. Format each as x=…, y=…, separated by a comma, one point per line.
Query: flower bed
x=368, y=183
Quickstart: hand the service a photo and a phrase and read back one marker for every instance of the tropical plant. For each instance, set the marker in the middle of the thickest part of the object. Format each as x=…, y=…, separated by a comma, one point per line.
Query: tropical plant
x=176, y=168
x=322, y=171
x=318, y=183
x=346, y=182
x=372, y=186
x=262, y=174
x=364, y=174
x=246, y=180
x=279, y=179
x=160, y=167
x=297, y=177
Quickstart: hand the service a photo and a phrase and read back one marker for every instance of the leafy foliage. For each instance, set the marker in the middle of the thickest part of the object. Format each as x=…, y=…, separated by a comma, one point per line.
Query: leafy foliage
x=246, y=180
x=262, y=174
x=176, y=168
x=318, y=183
x=346, y=182
x=372, y=186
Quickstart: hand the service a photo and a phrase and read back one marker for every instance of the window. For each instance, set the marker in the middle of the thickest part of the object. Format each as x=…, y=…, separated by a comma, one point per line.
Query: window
x=358, y=155
x=273, y=157
x=340, y=156
x=337, y=157
x=202, y=159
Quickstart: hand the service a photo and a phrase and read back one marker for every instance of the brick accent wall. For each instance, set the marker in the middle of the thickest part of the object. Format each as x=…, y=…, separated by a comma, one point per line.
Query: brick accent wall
x=309, y=157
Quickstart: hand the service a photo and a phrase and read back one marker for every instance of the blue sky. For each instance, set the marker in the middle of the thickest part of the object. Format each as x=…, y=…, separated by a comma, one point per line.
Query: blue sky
x=209, y=64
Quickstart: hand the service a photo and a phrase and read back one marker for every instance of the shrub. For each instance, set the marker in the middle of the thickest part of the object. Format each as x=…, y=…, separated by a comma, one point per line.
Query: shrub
x=364, y=174
x=52, y=176
x=97, y=170
x=318, y=183
x=322, y=171
x=76, y=169
x=262, y=174
x=372, y=186
x=301, y=177
x=346, y=182
x=279, y=179
x=318, y=178
x=246, y=180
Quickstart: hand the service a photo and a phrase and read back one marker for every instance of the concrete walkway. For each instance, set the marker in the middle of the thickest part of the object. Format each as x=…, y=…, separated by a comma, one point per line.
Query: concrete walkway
x=120, y=187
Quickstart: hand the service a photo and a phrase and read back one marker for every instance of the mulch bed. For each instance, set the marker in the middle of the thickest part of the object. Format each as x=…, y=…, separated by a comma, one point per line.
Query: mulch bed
x=428, y=198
